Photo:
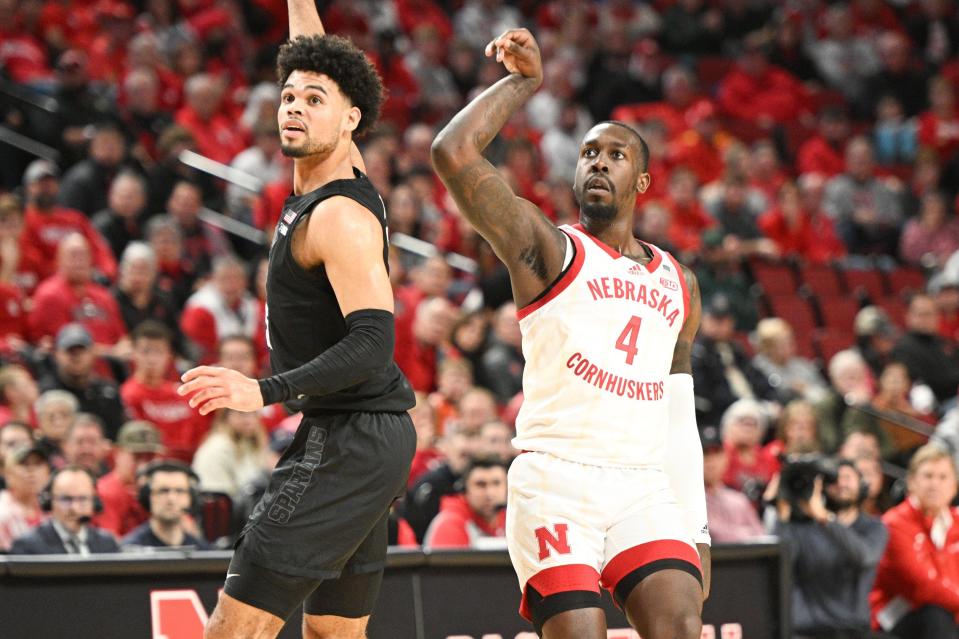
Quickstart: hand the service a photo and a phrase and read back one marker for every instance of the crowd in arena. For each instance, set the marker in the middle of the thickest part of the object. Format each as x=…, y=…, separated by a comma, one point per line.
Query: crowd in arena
x=805, y=163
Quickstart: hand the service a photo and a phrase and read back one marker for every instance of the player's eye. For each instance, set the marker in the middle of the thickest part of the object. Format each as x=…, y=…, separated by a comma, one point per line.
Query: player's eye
x=589, y=153
x=618, y=155
x=315, y=100
x=288, y=98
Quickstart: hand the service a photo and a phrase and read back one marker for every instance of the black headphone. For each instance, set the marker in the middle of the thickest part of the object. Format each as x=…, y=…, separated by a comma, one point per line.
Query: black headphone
x=45, y=498
x=145, y=476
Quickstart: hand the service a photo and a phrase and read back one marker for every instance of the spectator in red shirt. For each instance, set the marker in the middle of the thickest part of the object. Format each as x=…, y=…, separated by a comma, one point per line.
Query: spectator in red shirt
x=148, y=394
x=701, y=146
x=758, y=92
x=138, y=444
x=688, y=218
x=939, y=126
x=72, y=296
x=469, y=519
x=824, y=152
x=799, y=231
x=47, y=224
x=217, y=135
x=743, y=428
x=679, y=93
x=431, y=329
x=222, y=307
x=916, y=595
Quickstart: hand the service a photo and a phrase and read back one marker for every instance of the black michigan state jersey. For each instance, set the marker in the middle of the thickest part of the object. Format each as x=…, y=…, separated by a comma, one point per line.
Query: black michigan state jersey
x=303, y=318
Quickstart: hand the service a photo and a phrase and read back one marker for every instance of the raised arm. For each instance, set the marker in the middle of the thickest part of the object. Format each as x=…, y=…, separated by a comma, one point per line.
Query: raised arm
x=684, y=457
x=305, y=21
x=530, y=246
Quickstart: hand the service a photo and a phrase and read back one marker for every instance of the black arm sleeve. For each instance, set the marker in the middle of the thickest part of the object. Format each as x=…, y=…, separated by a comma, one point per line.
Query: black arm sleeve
x=366, y=349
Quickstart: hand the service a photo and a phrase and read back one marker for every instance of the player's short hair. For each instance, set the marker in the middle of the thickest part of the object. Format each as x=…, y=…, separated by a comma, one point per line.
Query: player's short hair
x=342, y=62
x=643, y=147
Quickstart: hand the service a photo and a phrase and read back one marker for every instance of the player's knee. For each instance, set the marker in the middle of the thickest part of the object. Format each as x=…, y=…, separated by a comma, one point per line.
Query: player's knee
x=680, y=625
x=335, y=630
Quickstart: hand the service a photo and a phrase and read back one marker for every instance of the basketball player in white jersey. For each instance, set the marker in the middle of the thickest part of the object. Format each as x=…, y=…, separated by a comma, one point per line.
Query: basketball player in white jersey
x=610, y=491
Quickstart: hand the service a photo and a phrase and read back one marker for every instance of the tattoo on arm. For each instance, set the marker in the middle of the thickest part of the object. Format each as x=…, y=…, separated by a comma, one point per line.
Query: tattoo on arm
x=532, y=257
x=682, y=354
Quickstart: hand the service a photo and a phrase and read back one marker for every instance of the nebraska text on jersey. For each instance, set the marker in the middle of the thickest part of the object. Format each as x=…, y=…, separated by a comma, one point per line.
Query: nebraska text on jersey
x=615, y=288
x=599, y=347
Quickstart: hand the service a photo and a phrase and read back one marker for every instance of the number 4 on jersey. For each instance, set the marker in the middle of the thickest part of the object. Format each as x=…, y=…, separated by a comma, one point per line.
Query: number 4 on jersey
x=626, y=341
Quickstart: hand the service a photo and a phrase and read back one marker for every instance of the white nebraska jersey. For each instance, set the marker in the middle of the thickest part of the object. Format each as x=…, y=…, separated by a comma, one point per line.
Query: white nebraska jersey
x=599, y=346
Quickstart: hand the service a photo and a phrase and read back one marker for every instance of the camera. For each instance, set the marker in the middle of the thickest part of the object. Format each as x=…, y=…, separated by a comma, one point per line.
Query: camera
x=799, y=473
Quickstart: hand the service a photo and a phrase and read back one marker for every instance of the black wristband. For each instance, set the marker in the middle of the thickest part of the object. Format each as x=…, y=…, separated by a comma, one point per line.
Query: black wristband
x=273, y=390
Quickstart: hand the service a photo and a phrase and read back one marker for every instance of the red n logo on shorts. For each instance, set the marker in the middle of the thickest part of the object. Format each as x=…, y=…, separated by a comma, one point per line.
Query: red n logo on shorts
x=557, y=541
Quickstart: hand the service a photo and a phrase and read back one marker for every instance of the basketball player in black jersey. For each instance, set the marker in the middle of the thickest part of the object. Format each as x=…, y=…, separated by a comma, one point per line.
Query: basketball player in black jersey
x=318, y=536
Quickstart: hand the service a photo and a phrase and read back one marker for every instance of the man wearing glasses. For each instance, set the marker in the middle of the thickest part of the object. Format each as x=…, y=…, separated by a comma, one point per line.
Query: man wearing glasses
x=168, y=492
x=71, y=499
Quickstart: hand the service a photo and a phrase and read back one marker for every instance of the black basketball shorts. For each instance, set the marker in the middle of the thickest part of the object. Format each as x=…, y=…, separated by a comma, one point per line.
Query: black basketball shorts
x=323, y=517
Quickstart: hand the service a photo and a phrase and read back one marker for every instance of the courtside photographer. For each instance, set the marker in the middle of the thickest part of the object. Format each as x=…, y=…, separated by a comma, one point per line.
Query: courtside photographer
x=833, y=546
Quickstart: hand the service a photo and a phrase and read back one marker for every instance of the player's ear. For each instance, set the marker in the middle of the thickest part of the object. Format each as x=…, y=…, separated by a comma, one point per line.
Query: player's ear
x=642, y=182
x=353, y=117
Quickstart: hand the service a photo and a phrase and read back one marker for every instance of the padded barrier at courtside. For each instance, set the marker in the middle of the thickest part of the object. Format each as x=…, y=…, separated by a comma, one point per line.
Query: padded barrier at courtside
x=437, y=595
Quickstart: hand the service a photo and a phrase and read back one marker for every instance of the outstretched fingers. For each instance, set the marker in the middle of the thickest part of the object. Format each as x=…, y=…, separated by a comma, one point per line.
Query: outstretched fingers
x=211, y=392
x=214, y=405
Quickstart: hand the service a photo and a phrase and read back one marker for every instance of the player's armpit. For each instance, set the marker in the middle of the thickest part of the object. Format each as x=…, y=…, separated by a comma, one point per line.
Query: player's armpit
x=522, y=237
x=347, y=239
x=682, y=353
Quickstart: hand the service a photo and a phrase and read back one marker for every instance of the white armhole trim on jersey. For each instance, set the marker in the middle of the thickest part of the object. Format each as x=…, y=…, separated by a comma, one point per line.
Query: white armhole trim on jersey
x=684, y=456
x=570, y=252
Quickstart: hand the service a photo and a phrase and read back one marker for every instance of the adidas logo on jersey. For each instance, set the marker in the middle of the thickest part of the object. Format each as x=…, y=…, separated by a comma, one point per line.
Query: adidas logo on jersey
x=635, y=269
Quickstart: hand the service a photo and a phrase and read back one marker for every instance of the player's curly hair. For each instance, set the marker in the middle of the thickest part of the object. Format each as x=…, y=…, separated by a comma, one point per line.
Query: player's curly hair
x=342, y=62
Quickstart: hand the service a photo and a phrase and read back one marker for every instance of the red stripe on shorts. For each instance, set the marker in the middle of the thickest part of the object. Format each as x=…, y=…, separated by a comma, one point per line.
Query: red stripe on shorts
x=638, y=556
x=560, y=579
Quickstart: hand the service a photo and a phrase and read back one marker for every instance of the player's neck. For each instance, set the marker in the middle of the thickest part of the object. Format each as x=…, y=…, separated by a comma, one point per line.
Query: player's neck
x=616, y=233
x=310, y=173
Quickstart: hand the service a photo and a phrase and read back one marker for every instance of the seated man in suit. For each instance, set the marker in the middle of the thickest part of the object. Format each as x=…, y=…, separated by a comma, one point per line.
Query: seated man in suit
x=71, y=499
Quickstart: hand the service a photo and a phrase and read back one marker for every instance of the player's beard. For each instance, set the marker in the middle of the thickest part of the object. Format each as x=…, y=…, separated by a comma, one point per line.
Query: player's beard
x=310, y=148
x=599, y=211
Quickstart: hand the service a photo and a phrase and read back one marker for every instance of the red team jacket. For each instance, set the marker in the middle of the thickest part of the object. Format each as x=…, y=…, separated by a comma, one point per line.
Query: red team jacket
x=457, y=527
x=914, y=572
